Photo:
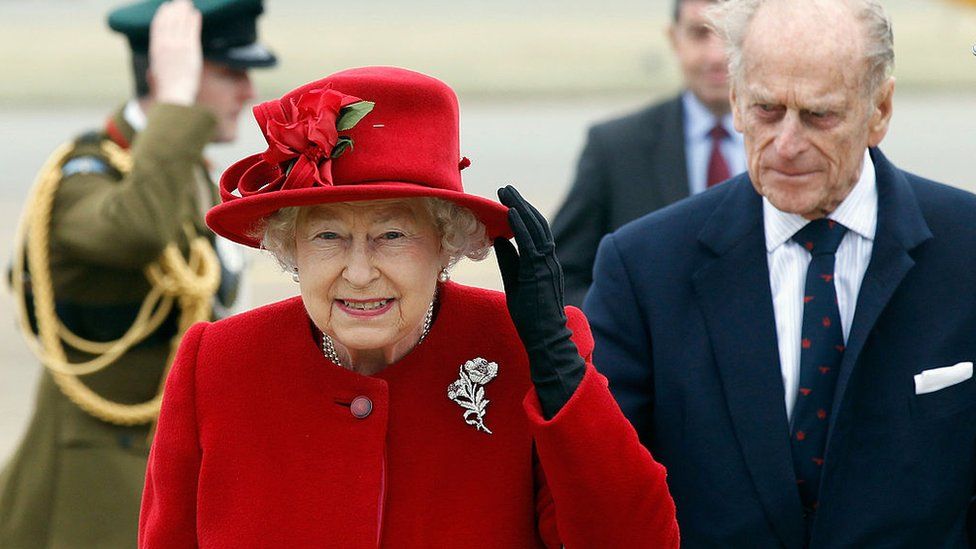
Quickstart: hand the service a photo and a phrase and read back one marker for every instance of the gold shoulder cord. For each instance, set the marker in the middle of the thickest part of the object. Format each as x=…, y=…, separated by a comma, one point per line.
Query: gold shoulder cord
x=191, y=283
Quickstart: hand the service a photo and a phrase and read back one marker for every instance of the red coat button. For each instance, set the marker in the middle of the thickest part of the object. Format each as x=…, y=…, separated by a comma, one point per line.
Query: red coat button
x=361, y=407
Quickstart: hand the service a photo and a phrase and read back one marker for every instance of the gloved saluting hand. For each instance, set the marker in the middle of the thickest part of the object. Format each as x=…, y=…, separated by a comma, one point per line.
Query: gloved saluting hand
x=533, y=282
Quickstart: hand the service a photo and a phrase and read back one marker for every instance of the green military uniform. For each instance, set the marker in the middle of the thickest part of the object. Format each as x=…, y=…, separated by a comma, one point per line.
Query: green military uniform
x=76, y=481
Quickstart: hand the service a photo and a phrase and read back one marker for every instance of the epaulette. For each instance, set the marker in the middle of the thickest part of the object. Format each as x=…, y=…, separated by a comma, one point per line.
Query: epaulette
x=86, y=163
x=86, y=158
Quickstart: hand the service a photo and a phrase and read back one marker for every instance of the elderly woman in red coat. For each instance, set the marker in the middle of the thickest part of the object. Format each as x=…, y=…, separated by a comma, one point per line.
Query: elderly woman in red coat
x=387, y=406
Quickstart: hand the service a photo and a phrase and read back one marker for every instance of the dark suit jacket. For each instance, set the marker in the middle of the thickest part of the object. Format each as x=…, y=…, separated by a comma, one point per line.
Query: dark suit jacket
x=629, y=167
x=682, y=313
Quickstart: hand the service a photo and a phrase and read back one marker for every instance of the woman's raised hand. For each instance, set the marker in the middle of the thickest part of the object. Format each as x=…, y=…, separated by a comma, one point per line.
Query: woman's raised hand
x=533, y=282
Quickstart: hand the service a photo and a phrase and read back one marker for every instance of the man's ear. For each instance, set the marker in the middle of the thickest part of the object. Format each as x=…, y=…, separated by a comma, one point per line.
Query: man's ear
x=736, y=113
x=881, y=110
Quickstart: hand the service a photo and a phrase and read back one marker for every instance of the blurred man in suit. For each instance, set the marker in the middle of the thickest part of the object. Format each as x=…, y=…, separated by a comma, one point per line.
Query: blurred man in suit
x=648, y=159
x=796, y=345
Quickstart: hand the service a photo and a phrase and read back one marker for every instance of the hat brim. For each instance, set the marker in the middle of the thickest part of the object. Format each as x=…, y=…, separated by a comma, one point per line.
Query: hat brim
x=239, y=219
x=249, y=56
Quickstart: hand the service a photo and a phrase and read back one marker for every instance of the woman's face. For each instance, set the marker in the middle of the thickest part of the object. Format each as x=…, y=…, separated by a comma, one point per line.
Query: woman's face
x=368, y=272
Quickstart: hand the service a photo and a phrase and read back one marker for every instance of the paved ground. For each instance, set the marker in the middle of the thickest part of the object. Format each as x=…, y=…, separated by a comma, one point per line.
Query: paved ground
x=532, y=144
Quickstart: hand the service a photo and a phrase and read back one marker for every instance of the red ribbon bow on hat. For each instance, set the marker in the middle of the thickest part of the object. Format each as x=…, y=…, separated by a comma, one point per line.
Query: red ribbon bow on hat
x=303, y=136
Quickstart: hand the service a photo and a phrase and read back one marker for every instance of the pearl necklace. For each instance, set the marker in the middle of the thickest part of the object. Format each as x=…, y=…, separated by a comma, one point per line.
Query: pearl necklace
x=328, y=347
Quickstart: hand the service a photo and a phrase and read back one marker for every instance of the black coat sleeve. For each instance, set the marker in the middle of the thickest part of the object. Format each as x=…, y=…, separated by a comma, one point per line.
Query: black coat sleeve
x=582, y=220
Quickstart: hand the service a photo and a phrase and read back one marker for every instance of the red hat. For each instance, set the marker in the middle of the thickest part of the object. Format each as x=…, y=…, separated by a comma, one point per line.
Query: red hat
x=360, y=134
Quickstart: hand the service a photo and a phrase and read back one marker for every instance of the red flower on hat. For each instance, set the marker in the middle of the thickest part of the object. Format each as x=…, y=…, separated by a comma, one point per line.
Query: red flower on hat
x=306, y=125
x=303, y=134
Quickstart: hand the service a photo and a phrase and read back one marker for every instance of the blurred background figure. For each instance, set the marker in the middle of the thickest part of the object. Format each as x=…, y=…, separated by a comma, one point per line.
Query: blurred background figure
x=119, y=264
x=658, y=155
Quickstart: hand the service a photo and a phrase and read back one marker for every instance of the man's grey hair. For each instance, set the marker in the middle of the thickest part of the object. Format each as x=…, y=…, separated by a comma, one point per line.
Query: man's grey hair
x=676, y=8
x=731, y=19
x=462, y=234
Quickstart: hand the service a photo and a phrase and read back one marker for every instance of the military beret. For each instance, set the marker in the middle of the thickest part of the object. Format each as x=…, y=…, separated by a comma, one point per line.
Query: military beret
x=229, y=34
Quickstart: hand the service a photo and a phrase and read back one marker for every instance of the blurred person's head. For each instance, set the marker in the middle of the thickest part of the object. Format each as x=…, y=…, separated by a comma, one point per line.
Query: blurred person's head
x=700, y=53
x=224, y=89
x=230, y=48
x=811, y=90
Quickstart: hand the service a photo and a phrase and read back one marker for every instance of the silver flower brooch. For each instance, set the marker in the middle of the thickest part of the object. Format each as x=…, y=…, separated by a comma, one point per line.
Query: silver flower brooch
x=468, y=391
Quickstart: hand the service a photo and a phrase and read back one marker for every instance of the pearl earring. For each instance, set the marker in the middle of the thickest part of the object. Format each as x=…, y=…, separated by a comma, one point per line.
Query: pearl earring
x=294, y=274
x=444, y=275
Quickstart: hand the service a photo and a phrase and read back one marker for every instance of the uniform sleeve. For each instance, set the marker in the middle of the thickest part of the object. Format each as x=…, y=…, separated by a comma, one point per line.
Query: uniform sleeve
x=582, y=221
x=599, y=487
x=623, y=350
x=127, y=224
x=167, y=519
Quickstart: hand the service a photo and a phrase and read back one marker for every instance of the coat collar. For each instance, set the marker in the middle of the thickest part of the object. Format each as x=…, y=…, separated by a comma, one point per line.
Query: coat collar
x=461, y=312
x=732, y=286
x=118, y=129
x=738, y=215
x=899, y=214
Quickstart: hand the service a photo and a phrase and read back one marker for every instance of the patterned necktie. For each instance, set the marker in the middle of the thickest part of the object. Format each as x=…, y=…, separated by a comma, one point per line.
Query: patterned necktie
x=821, y=350
x=718, y=169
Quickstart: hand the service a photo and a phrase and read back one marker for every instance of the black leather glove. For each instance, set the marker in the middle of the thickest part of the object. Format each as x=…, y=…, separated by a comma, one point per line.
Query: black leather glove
x=533, y=282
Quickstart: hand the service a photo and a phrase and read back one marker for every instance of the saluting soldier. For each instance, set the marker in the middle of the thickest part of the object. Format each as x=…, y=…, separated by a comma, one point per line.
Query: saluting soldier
x=116, y=263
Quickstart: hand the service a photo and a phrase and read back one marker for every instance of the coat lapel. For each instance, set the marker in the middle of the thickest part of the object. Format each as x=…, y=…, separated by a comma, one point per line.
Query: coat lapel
x=901, y=228
x=735, y=298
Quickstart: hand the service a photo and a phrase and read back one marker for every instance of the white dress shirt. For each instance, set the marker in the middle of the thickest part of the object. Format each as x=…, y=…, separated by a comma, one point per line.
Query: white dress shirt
x=788, y=262
x=698, y=121
x=134, y=115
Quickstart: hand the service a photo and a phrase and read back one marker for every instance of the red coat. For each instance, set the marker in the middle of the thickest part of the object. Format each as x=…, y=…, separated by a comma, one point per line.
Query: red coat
x=257, y=446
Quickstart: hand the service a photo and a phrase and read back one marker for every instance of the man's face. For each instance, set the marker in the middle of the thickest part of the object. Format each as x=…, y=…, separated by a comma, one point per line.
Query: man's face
x=701, y=54
x=803, y=109
x=225, y=91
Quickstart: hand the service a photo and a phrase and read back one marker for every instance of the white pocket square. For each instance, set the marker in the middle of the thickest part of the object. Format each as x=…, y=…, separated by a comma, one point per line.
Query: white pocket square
x=939, y=378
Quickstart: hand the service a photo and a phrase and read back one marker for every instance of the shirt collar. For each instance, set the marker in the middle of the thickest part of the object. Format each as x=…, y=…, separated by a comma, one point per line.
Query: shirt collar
x=134, y=115
x=699, y=120
x=858, y=212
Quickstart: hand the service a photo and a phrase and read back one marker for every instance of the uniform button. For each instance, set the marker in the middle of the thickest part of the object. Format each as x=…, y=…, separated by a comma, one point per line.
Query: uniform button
x=361, y=407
